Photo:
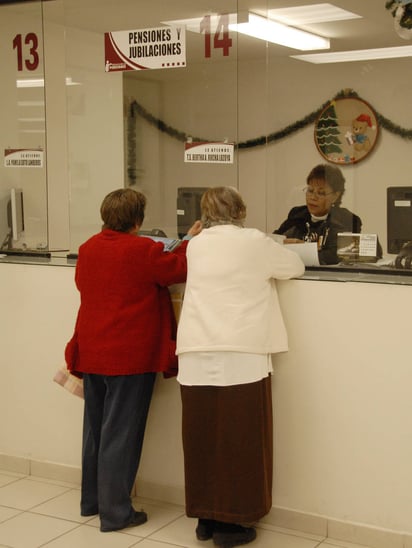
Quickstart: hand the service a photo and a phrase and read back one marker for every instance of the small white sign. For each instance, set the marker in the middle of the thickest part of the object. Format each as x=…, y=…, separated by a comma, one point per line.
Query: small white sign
x=23, y=157
x=156, y=48
x=355, y=246
x=209, y=153
x=368, y=245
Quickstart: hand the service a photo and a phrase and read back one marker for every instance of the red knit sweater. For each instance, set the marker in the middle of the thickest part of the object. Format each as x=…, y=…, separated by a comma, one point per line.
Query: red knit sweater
x=125, y=323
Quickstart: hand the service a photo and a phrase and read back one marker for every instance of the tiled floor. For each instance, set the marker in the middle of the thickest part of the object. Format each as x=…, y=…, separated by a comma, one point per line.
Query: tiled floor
x=36, y=512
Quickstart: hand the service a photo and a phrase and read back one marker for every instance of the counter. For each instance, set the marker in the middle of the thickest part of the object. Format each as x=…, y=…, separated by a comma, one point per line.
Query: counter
x=341, y=396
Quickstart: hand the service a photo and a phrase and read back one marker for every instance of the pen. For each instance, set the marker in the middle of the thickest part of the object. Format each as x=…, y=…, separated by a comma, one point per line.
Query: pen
x=326, y=235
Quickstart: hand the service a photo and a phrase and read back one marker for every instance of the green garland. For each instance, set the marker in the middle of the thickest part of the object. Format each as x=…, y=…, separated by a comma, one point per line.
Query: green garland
x=385, y=123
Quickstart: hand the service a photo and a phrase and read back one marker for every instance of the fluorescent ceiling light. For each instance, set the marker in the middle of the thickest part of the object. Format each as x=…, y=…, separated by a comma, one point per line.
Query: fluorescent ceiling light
x=313, y=13
x=39, y=83
x=30, y=103
x=31, y=120
x=194, y=24
x=278, y=33
x=356, y=55
x=30, y=83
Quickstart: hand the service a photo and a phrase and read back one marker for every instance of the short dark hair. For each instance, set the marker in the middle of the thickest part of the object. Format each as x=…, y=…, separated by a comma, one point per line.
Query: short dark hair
x=331, y=175
x=123, y=209
x=222, y=205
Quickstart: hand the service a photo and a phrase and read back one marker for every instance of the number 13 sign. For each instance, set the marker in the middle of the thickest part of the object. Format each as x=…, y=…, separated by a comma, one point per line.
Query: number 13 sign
x=29, y=50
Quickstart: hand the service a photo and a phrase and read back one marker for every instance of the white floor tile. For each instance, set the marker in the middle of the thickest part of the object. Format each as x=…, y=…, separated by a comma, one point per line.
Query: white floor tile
x=65, y=506
x=158, y=516
x=54, y=482
x=182, y=533
x=31, y=531
x=24, y=494
x=38, y=513
x=7, y=513
x=274, y=539
x=90, y=537
x=291, y=532
x=331, y=543
x=147, y=543
x=6, y=479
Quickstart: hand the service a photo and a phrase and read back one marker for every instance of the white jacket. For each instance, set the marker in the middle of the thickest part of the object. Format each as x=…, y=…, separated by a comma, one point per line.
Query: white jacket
x=231, y=301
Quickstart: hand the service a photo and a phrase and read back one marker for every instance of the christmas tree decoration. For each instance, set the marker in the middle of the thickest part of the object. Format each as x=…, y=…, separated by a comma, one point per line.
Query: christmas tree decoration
x=355, y=120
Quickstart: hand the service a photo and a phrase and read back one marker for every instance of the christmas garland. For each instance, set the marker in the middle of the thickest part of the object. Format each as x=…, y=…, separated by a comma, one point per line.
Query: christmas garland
x=137, y=109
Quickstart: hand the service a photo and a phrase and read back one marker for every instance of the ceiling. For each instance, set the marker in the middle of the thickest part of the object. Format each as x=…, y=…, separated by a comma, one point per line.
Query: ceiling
x=375, y=28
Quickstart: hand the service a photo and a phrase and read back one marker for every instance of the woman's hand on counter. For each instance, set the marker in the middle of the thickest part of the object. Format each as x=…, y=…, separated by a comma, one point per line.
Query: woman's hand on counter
x=195, y=229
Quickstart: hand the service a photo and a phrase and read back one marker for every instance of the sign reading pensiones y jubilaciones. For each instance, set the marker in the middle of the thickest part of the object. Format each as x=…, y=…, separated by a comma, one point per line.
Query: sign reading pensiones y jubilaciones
x=23, y=157
x=158, y=48
x=209, y=153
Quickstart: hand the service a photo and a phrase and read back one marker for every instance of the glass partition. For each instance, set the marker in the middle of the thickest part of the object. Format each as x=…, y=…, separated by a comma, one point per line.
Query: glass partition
x=345, y=106
x=135, y=127
x=227, y=105
x=23, y=183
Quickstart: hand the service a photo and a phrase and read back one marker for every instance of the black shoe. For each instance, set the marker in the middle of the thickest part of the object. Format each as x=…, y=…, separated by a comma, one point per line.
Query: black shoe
x=138, y=518
x=86, y=513
x=204, y=529
x=228, y=535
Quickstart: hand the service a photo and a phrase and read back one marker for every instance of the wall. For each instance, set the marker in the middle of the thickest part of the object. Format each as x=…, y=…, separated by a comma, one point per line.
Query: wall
x=341, y=397
x=270, y=97
x=95, y=132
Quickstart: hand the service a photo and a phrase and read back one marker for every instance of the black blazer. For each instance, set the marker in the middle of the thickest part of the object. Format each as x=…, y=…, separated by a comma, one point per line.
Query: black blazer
x=299, y=225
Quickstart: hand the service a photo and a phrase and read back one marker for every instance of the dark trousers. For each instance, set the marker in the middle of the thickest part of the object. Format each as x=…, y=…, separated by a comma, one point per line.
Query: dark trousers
x=115, y=414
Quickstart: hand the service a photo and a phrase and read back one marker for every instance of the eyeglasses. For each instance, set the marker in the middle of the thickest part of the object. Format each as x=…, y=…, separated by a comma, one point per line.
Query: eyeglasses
x=318, y=193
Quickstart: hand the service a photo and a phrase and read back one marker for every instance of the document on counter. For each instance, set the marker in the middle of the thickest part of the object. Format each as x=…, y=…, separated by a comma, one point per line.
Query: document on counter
x=169, y=243
x=307, y=251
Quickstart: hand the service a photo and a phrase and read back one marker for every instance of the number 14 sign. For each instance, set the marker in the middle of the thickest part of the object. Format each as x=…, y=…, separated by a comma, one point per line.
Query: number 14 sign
x=221, y=39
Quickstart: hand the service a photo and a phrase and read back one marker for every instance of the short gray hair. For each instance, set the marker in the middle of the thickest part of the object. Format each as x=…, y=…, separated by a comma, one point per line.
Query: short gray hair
x=222, y=205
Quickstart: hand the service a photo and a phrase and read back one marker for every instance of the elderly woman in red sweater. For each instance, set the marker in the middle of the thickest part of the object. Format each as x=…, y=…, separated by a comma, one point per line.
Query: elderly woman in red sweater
x=124, y=335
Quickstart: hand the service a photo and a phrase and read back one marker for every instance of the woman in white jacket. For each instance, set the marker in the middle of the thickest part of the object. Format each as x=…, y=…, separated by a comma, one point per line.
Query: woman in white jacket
x=230, y=325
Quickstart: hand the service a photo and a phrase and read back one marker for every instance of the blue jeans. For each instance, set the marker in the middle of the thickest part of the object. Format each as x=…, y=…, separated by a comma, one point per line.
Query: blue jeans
x=115, y=414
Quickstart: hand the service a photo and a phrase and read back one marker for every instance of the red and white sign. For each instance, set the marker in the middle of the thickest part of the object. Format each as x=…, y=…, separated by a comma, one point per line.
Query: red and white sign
x=209, y=153
x=157, y=48
x=23, y=157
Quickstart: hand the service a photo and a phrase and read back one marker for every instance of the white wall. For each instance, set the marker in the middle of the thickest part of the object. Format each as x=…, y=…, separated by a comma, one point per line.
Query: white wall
x=342, y=403
x=341, y=396
x=95, y=132
x=270, y=97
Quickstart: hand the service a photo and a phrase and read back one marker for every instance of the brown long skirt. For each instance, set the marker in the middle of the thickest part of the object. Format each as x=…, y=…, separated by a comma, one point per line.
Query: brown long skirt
x=228, y=451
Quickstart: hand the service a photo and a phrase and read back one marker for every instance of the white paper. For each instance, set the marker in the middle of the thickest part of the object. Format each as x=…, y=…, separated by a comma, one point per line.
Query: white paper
x=307, y=251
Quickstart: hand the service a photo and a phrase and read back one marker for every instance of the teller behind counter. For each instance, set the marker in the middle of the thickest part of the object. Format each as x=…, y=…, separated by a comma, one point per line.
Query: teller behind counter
x=323, y=217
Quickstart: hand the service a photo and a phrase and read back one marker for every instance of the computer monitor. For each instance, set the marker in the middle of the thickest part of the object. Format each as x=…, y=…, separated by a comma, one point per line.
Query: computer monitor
x=16, y=213
x=399, y=217
x=188, y=207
